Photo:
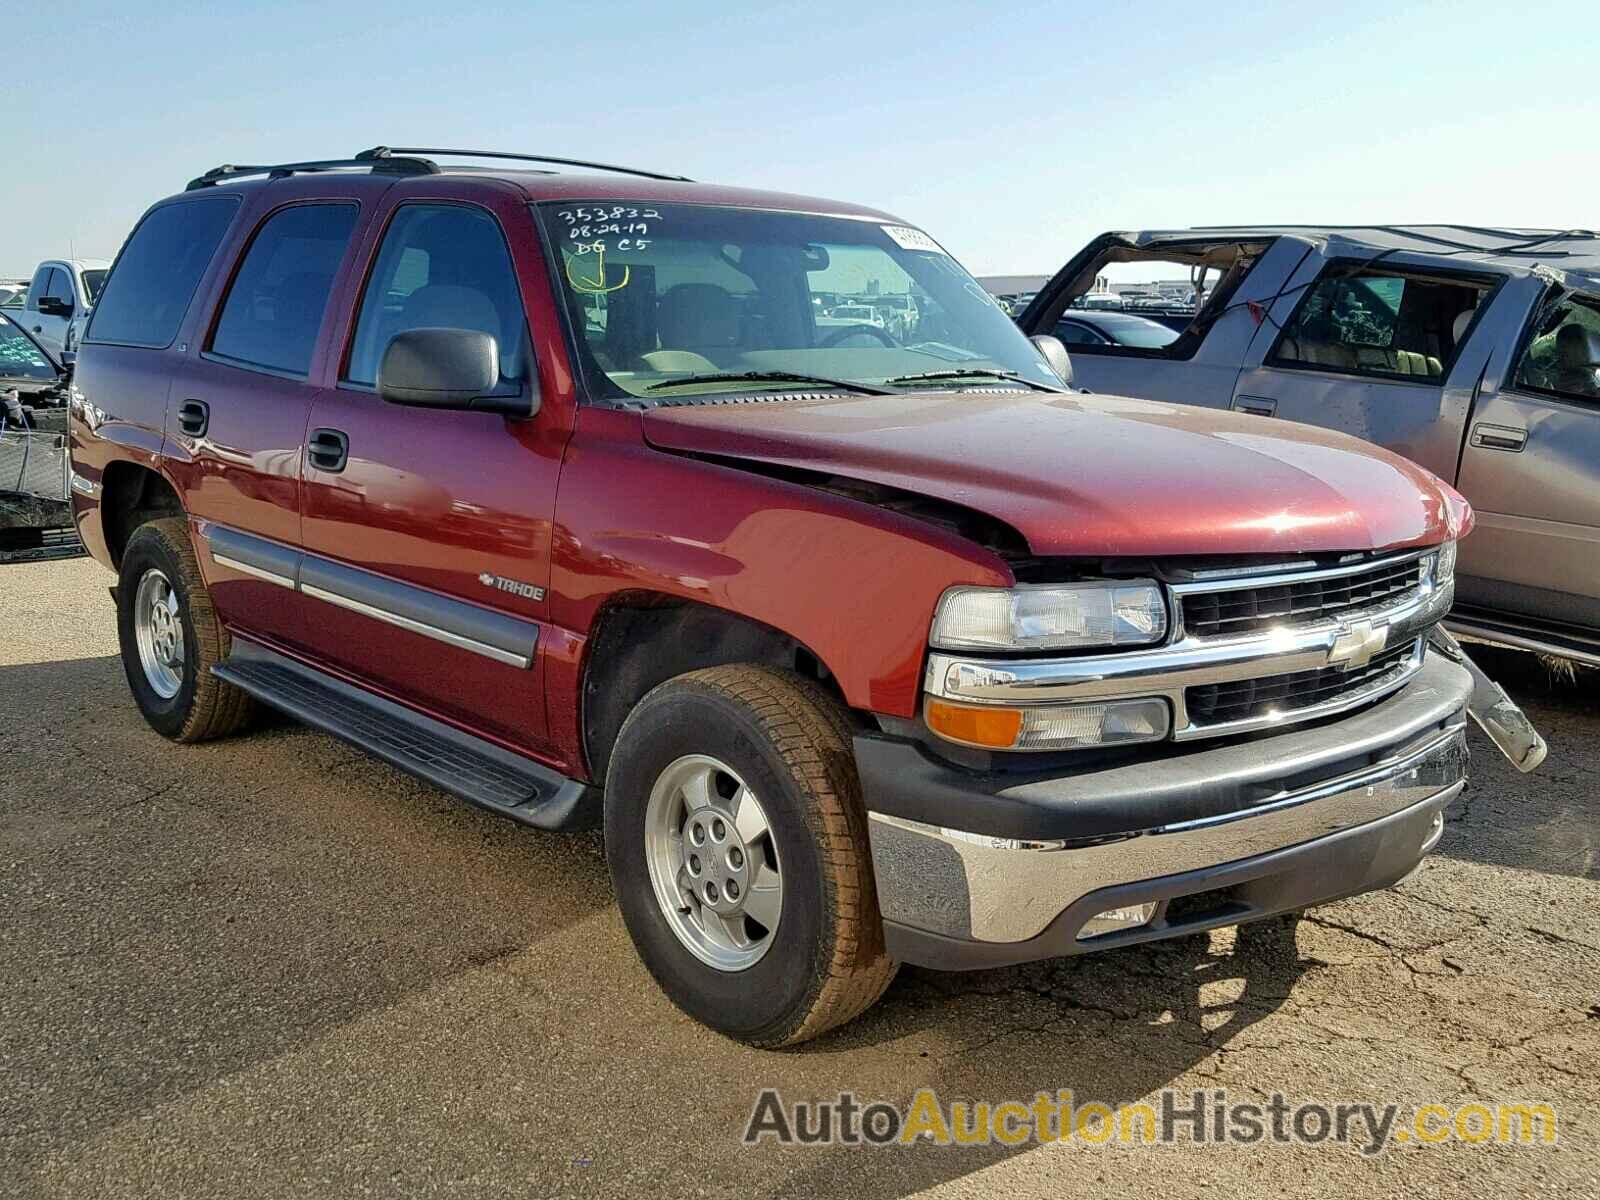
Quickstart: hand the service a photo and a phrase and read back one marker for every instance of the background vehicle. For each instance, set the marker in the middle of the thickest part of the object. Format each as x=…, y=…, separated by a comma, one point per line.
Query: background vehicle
x=862, y=649
x=1078, y=327
x=13, y=293
x=62, y=289
x=25, y=365
x=1102, y=300
x=33, y=452
x=1473, y=352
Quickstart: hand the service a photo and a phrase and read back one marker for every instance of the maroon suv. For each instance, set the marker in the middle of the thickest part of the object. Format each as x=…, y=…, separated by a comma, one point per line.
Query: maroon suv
x=749, y=526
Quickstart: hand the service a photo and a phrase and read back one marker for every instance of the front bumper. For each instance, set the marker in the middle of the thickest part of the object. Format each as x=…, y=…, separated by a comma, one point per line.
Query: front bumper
x=979, y=869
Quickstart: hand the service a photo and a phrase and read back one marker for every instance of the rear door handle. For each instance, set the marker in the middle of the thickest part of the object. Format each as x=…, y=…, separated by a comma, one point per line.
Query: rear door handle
x=1499, y=437
x=194, y=416
x=328, y=450
x=1261, y=406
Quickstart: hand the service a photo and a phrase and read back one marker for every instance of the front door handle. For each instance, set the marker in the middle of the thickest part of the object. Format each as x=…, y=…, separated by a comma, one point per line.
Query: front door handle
x=328, y=449
x=1261, y=406
x=38, y=328
x=1499, y=437
x=194, y=417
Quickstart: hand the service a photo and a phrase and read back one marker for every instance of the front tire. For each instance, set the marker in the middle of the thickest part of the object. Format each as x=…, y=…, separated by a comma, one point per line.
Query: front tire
x=170, y=638
x=737, y=844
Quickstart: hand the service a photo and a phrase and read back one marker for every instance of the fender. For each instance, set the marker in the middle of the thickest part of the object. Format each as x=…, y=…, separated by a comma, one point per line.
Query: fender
x=819, y=567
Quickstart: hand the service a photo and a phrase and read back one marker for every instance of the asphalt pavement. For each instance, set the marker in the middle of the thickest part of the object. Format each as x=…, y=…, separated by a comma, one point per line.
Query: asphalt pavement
x=273, y=967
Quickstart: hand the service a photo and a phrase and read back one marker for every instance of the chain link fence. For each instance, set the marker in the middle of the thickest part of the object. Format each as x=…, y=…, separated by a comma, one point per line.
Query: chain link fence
x=34, y=464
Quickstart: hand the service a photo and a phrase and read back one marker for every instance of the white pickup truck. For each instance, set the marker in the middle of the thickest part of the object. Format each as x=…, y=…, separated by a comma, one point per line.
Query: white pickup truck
x=60, y=296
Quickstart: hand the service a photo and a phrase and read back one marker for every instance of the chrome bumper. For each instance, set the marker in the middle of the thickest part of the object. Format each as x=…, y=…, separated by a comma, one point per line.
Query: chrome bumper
x=1169, y=671
x=976, y=888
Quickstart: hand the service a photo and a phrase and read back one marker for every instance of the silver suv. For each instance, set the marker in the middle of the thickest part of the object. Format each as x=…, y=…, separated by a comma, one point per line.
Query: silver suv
x=1474, y=352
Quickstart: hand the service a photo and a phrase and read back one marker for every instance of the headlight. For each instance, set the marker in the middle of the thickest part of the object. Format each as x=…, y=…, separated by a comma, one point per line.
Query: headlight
x=1050, y=618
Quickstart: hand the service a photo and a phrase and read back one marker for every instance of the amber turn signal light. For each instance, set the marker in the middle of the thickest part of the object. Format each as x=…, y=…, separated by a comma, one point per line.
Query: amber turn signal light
x=997, y=728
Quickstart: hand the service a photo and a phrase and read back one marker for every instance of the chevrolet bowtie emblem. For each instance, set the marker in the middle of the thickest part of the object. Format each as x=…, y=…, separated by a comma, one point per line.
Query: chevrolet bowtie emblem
x=1356, y=644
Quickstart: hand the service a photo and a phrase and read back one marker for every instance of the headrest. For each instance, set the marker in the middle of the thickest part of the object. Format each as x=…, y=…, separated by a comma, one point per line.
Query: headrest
x=1458, y=328
x=694, y=315
x=1577, y=347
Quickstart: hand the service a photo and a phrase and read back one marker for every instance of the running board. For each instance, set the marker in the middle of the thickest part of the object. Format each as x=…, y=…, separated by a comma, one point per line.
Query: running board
x=1472, y=628
x=471, y=768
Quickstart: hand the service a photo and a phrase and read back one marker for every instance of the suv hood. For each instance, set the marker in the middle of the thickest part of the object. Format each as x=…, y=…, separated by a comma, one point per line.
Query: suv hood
x=1091, y=475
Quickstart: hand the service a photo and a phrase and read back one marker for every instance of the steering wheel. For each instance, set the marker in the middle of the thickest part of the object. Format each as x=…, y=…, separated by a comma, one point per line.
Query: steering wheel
x=839, y=335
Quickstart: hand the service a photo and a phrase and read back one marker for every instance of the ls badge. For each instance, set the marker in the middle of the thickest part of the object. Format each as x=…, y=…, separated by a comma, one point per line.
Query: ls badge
x=515, y=586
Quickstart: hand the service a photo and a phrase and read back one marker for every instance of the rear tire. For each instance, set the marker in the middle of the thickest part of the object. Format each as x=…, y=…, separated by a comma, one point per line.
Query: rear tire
x=171, y=638
x=767, y=970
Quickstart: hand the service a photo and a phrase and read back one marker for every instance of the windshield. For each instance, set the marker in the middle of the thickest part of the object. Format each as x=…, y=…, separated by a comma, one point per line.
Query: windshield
x=662, y=293
x=20, y=357
x=92, y=281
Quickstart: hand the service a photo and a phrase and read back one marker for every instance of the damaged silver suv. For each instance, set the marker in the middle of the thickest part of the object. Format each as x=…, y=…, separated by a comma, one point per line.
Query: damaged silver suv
x=1474, y=352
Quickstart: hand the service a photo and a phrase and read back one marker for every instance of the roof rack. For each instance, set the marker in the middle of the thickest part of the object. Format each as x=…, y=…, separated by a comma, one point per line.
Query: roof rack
x=386, y=164
x=386, y=153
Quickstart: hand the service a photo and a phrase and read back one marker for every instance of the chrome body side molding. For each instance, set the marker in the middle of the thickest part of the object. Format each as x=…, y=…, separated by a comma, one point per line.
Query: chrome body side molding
x=483, y=631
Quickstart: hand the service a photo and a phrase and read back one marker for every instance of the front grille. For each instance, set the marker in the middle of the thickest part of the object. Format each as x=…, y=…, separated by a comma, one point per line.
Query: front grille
x=1260, y=606
x=1249, y=699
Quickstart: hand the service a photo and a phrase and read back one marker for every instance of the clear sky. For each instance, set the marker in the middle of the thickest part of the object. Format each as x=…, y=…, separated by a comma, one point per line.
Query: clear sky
x=1013, y=133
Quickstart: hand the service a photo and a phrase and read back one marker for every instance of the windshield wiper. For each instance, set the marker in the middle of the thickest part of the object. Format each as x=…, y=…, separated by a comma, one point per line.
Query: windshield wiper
x=770, y=377
x=975, y=373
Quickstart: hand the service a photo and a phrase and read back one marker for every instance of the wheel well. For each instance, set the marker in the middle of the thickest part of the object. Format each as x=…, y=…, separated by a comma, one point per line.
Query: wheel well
x=130, y=496
x=642, y=640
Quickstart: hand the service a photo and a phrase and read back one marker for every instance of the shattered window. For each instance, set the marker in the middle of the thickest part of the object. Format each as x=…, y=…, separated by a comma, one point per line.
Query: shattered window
x=20, y=358
x=1563, y=355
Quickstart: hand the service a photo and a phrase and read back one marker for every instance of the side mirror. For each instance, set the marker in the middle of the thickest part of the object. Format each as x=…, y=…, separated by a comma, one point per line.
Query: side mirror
x=53, y=306
x=1055, y=354
x=447, y=368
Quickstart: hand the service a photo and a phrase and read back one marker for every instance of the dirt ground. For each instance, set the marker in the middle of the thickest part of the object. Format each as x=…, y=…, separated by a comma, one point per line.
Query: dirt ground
x=273, y=967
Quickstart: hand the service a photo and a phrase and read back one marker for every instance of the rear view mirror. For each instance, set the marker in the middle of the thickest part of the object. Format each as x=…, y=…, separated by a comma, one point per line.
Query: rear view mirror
x=446, y=368
x=1055, y=354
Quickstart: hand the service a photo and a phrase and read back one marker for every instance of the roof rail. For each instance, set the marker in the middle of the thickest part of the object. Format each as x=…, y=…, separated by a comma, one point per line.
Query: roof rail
x=381, y=153
x=386, y=164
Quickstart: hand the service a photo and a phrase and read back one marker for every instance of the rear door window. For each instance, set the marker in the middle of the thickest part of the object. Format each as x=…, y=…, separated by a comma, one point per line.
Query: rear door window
x=1562, y=356
x=156, y=275
x=1375, y=322
x=275, y=304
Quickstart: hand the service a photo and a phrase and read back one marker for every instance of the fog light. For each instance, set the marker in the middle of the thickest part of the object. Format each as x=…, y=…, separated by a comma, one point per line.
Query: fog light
x=1050, y=726
x=1115, y=919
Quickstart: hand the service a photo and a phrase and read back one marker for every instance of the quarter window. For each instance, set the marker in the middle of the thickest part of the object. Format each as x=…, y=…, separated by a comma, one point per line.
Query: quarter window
x=1366, y=322
x=1563, y=355
x=444, y=266
x=275, y=305
x=157, y=273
